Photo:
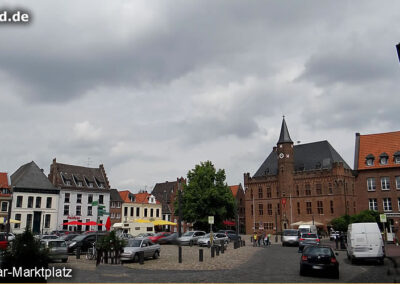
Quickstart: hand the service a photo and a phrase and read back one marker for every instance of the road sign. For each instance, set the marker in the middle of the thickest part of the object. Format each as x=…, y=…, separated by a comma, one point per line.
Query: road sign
x=210, y=219
x=101, y=207
x=95, y=203
x=383, y=218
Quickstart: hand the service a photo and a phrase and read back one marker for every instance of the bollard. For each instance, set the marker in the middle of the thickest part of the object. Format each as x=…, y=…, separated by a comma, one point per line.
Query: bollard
x=212, y=251
x=222, y=248
x=78, y=252
x=244, y=243
x=217, y=250
x=235, y=245
x=141, y=257
x=201, y=255
x=180, y=254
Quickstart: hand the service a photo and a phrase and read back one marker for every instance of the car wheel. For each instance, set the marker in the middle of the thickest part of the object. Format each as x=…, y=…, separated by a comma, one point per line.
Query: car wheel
x=64, y=260
x=302, y=272
x=136, y=258
x=208, y=244
x=283, y=244
x=336, y=274
x=381, y=261
x=156, y=254
x=191, y=243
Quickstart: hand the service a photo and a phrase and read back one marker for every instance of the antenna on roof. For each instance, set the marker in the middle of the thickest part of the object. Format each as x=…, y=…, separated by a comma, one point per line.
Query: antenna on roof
x=88, y=162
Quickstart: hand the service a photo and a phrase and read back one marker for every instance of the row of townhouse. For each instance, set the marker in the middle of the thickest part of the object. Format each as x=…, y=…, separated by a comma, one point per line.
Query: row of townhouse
x=312, y=183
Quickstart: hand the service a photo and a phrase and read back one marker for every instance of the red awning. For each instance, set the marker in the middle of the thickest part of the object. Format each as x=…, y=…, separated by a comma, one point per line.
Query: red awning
x=73, y=223
x=229, y=223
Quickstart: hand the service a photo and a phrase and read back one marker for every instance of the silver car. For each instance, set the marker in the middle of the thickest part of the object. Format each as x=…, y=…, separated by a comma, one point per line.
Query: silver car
x=218, y=239
x=136, y=245
x=191, y=237
x=290, y=237
x=308, y=239
x=57, y=249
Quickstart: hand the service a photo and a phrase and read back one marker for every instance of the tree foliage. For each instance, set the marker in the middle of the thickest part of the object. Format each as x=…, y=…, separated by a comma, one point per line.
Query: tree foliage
x=26, y=252
x=206, y=194
x=341, y=223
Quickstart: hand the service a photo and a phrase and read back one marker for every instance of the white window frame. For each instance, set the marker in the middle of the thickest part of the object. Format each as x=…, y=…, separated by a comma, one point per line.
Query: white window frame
x=373, y=204
x=384, y=160
x=387, y=204
x=398, y=182
x=371, y=186
x=370, y=162
x=397, y=160
x=385, y=183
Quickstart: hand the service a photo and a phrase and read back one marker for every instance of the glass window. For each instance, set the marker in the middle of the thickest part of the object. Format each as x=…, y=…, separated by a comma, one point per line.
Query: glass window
x=17, y=217
x=137, y=212
x=332, y=208
x=387, y=204
x=47, y=221
x=89, y=210
x=269, y=192
x=260, y=193
x=101, y=199
x=385, y=183
x=298, y=208
x=309, y=208
x=398, y=182
x=269, y=208
x=29, y=221
x=30, y=201
x=151, y=212
x=158, y=213
x=145, y=212
x=19, y=201
x=90, y=198
x=320, y=207
x=66, y=210
x=319, y=189
x=370, y=162
x=330, y=191
x=38, y=202
x=78, y=210
x=308, y=189
x=79, y=198
x=384, y=161
x=132, y=211
x=373, y=204
x=4, y=206
x=66, y=200
x=397, y=159
x=260, y=209
x=48, y=202
x=371, y=184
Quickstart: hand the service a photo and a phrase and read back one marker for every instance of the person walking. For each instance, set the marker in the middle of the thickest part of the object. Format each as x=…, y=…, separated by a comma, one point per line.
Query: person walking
x=259, y=238
x=269, y=239
x=263, y=238
x=254, y=239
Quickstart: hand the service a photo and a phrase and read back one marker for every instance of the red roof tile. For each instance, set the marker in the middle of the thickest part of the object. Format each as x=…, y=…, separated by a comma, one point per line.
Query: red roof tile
x=376, y=144
x=125, y=196
x=143, y=198
x=4, y=181
x=234, y=189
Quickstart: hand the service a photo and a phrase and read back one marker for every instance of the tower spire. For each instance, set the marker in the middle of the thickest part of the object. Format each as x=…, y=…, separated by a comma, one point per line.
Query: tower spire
x=284, y=137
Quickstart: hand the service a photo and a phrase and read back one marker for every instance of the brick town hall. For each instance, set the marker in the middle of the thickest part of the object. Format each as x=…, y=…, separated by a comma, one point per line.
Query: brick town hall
x=305, y=183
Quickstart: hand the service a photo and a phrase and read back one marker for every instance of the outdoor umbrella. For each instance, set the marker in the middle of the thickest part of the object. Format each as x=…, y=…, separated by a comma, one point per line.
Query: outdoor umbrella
x=91, y=223
x=15, y=221
x=163, y=222
x=73, y=223
x=108, y=224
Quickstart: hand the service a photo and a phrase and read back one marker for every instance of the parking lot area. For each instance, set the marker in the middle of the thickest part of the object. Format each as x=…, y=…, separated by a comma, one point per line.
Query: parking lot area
x=245, y=264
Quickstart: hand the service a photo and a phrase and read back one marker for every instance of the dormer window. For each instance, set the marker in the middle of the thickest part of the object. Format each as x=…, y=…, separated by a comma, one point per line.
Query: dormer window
x=397, y=157
x=370, y=160
x=78, y=182
x=99, y=183
x=383, y=159
x=65, y=180
x=89, y=183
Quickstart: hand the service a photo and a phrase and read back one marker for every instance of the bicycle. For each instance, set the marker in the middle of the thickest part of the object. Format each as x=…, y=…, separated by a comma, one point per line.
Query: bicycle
x=92, y=252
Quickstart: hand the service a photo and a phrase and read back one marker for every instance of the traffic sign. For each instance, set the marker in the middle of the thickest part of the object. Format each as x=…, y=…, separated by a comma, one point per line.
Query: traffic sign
x=210, y=219
x=383, y=218
x=95, y=203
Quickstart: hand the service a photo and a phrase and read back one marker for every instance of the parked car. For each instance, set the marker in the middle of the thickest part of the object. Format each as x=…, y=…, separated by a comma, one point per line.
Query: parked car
x=170, y=239
x=159, y=236
x=11, y=236
x=218, y=239
x=319, y=259
x=145, y=235
x=364, y=241
x=85, y=241
x=68, y=238
x=191, y=237
x=57, y=249
x=3, y=242
x=290, y=237
x=136, y=245
x=334, y=235
x=308, y=229
x=231, y=234
x=308, y=239
x=48, y=237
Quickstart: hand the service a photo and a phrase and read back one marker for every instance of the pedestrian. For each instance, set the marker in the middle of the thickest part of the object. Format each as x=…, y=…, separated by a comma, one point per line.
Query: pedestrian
x=269, y=239
x=254, y=239
x=337, y=241
x=263, y=237
x=259, y=239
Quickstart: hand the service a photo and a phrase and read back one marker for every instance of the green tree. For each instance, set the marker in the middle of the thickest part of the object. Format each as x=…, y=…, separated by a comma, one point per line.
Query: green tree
x=342, y=223
x=206, y=194
x=26, y=252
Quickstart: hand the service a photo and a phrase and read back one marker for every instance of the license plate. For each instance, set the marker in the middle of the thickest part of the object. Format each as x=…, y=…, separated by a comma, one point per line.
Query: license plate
x=317, y=267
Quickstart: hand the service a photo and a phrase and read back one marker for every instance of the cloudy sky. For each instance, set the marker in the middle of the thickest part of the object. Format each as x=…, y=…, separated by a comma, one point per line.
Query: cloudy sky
x=151, y=88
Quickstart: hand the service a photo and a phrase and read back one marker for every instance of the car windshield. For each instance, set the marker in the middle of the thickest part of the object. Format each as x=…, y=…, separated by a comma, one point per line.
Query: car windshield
x=188, y=234
x=57, y=244
x=206, y=236
x=158, y=234
x=318, y=251
x=79, y=238
x=290, y=233
x=134, y=243
x=68, y=237
x=309, y=236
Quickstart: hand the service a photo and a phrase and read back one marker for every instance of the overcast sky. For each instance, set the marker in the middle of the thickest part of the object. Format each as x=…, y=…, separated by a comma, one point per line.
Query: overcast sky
x=152, y=88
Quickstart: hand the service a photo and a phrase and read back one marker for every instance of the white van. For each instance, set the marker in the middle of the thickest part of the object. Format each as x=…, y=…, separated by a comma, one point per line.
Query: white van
x=308, y=229
x=364, y=241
